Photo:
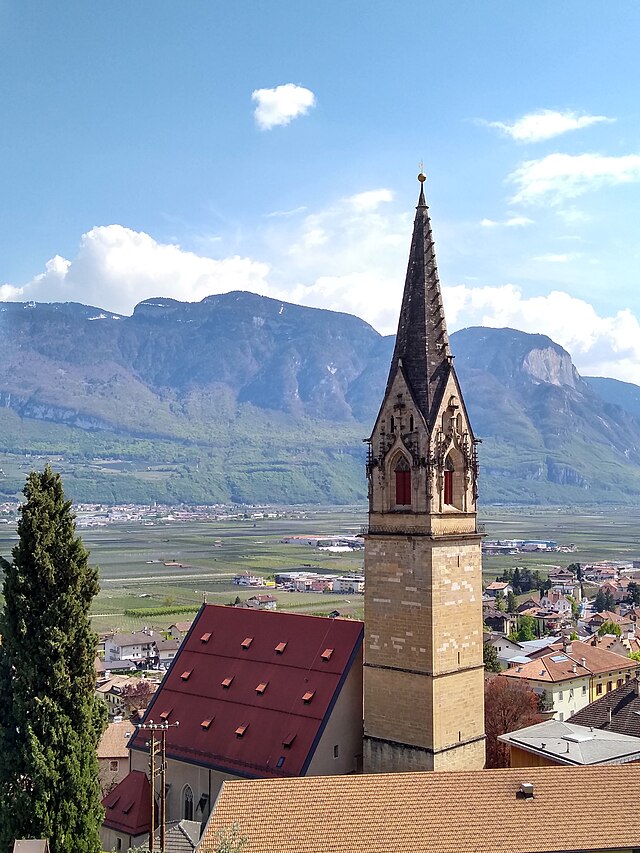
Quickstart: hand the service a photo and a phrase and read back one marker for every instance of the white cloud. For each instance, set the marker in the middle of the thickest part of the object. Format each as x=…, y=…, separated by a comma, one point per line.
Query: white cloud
x=115, y=268
x=599, y=346
x=558, y=177
x=518, y=222
x=545, y=124
x=280, y=105
x=511, y=222
x=370, y=200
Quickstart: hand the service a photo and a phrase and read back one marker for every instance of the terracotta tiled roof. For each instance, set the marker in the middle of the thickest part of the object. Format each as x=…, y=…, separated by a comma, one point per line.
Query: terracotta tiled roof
x=435, y=812
x=115, y=740
x=128, y=806
x=618, y=711
x=560, y=665
x=237, y=685
x=182, y=627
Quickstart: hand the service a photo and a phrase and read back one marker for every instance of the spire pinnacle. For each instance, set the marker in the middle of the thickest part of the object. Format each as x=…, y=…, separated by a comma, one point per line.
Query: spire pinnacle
x=422, y=343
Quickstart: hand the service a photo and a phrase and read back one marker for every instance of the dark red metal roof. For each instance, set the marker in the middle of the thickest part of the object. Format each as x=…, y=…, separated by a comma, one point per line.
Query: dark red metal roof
x=128, y=806
x=268, y=717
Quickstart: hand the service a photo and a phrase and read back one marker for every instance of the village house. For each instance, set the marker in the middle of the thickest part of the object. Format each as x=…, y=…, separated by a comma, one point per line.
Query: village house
x=618, y=711
x=113, y=690
x=554, y=743
x=179, y=630
x=624, y=645
x=497, y=621
x=573, y=675
x=256, y=694
x=557, y=602
x=455, y=812
x=498, y=588
x=246, y=579
x=138, y=648
x=113, y=754
x=596, y=622
x=349, y=584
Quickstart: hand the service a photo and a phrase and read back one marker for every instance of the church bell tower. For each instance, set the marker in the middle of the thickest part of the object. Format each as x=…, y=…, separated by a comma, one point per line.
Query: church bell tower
x=423, y=677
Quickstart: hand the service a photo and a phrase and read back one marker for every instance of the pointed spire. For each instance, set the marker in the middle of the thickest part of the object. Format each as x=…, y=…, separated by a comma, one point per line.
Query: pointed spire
x=422, y=344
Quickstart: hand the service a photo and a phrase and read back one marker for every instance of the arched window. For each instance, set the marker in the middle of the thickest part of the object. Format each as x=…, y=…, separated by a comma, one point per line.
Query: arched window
x=448, y=481
x=411, y=423
x=403, y=483
x=187, y=803
x=393, y=424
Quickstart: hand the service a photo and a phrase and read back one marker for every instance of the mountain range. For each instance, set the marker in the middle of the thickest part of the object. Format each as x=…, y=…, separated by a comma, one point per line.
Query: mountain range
x=240, y=398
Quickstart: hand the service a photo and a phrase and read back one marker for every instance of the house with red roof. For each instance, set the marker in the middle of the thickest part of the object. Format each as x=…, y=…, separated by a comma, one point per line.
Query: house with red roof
x=256, y=694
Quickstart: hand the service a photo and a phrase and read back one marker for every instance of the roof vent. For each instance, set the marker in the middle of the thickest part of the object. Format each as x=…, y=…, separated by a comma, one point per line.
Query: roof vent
x=186, y=674
x=261, y=687
x=226, y=682
x=206, y=723
x=246, y=642
x=308, y=696
x=205, y=637
x=326, y=654
x=242, y=729
x=280, y=648
x=526, y=790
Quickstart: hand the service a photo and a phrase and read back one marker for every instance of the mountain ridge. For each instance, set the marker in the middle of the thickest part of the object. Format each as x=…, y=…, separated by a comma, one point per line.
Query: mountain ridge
x=245, y=398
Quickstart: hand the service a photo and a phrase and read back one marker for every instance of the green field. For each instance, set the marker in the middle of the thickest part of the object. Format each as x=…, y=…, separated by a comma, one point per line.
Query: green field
x=131, y=556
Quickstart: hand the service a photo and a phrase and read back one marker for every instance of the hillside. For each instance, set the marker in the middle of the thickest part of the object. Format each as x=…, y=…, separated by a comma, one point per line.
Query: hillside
x=240, y=398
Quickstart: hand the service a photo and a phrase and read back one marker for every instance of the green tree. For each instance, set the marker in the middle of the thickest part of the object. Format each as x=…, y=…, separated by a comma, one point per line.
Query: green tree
x=501, y=604
x=490, y=658
x=634, y=655
x=633, y=593
x=526, y=629
x=512, y=602
x=50, y=717
x=609, y=627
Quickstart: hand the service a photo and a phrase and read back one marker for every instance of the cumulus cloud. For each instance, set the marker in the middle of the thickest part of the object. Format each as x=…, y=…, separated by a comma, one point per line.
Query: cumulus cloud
x=599, y=346
x=281, y=105
x=370, y=200
x=545, y=124
x=558, y=177
x=115, y=268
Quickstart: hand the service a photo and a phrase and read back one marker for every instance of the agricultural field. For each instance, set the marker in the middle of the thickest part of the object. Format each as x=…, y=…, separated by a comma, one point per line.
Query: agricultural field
x=132, y=556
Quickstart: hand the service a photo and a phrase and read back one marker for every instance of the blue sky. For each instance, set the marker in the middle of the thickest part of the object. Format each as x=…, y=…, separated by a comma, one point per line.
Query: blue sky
x=155, y=148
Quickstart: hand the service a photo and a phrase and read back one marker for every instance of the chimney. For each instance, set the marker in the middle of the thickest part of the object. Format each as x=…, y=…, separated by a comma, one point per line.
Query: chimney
x=637, y=686
x=526, y=790
x=574, y=668
x=584, y=662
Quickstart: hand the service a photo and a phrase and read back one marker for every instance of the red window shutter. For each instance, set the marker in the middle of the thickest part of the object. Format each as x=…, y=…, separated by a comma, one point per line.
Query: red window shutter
x=448, y=487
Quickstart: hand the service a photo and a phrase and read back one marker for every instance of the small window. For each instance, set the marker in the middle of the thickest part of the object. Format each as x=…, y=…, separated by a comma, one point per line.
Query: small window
x=226, y=682
x=609, y=686
x=246, y=642
x=187, y=803
x=242, y=729
x=560, y=695
x=261, y=687
x=186, y=674
x=448, y=487
x=326, y=654
x=118, y=844
x=336, y=751
x=288, y=740
x=561, y=716
x=114, y=766
x=403, y=483
x=205, y=637
x=393, y=424
x=411, y=423
x=206, y=724
x=280, y=761
x=599, y=689
x=308, y=696
x=619, y=683
x=280, y=648
x=584, y=689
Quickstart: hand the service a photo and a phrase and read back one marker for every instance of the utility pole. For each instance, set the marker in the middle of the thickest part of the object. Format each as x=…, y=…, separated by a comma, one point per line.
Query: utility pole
x=158, y=749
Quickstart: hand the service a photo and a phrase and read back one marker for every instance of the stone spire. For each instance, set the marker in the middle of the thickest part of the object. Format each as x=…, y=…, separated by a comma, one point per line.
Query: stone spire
x=422, y=344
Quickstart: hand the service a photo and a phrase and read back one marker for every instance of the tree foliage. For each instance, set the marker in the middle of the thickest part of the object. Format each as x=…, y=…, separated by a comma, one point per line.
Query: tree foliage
x=509, y=704
x=525, y=631
x=512, y=602
x=633, y=593
x=136, y=695
x=50, y=718
x=605, y=601
x=609, y=627
x=490, y=658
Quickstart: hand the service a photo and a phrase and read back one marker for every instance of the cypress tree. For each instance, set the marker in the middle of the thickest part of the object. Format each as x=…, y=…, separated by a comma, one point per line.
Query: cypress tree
x=50, y=717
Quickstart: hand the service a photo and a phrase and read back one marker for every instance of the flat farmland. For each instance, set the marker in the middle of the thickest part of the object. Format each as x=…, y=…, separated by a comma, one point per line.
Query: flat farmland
x=131, y=556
